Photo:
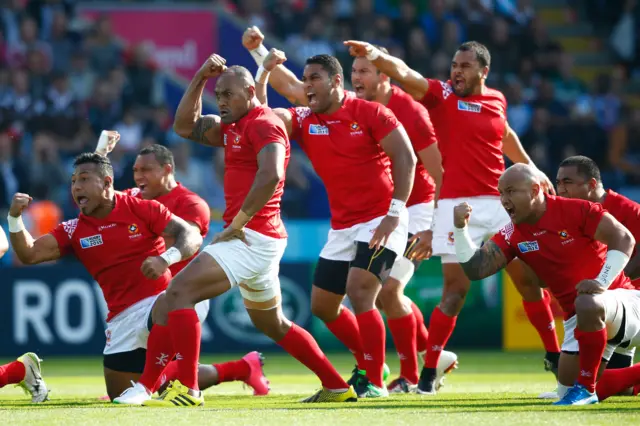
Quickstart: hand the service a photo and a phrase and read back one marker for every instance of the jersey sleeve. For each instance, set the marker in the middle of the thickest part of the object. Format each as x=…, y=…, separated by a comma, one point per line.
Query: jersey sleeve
x=502, y=240
x=194, y=210
x=592, y=214
x=380, y=119
x=156, y=215
x=297, y=115
x=265, y=132
x=420, y=129
x=438, y=92
x=63, y=233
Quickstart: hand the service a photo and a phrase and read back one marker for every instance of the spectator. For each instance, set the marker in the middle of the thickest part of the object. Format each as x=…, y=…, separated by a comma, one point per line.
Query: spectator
x=18, y=51
x=81, y=77
x=105, y=51
x=14, y=173
x=62, y=46
x=567, y=87
x=624, y=147
x=130, y=129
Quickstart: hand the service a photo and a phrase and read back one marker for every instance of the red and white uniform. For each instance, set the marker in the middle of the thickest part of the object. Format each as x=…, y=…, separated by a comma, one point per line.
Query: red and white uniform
x=112, y=249
x=254, y=267
x=188, y=206
x=344, y=150
x=470, y=131
x=562, y=251
x=415, y=119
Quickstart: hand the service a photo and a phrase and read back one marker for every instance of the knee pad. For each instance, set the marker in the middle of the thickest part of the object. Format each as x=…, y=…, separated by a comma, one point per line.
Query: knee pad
x=402, y=270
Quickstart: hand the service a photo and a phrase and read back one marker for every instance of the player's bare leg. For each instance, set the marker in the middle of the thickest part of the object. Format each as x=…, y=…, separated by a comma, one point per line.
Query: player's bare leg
x=443, y=321
x=362, y=289
x=537, y=305
x=118, y=381
x=202, y=279
x=268, y=317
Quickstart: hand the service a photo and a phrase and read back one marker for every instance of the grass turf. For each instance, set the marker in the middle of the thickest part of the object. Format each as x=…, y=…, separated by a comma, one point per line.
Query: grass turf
x=489, y=388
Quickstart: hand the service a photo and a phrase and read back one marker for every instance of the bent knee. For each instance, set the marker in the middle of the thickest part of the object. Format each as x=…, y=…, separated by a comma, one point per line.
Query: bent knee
x=327, y=313
x=588, y=305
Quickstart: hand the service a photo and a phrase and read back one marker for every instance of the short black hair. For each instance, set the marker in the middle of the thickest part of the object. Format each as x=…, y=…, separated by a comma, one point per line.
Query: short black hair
x=104, y=165
x=328, y=63
x=482, y=53
x=162, y=154
x=585, y=166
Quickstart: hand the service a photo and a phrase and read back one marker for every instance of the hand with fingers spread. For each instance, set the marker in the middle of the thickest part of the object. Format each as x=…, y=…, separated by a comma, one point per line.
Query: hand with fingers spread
x=461, y=215
x=212, y=67
x=230, y=233
x=422, y=249
x=384, y=231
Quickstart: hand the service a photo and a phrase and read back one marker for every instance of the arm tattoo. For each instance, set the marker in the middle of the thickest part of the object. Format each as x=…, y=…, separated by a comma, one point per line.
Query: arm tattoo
x=200, y=129
x=186, y=239
x=485, y=262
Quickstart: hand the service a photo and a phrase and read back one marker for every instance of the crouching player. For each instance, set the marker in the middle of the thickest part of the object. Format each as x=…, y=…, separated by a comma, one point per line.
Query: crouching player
x=579, y=251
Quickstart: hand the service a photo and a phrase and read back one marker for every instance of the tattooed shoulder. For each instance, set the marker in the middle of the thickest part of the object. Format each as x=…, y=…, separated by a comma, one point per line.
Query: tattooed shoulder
x=200, y=129
x=485, y=262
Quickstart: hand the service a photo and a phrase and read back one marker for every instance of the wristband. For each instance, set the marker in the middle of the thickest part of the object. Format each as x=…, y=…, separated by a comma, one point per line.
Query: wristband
x=102, y=143
x=15, y=224
x=171, y=256
x=395, y=208
x=240, y=220
x=465, y=248
x=259, y=54
x=373, y=55
x=262, y=75
x=613, y=265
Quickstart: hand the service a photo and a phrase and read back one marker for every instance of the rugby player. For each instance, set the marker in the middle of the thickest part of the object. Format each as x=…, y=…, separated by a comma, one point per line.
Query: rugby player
x=473, y=135
x=248, y=252
x=579, y=251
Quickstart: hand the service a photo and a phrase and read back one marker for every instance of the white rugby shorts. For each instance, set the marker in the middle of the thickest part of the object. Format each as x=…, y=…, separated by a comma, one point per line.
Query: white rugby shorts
x=487, y=218
x=129, y=330
x=253, y=268
x=341, y=243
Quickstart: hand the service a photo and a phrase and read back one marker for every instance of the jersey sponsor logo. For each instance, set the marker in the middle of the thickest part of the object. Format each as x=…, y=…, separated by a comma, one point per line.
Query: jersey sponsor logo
x=92, y=241
x=103, y=227
x=446, y=89
x=224, y=140
x=537, y=234
x=528, y=246
x=318, y=129
x=469, y=106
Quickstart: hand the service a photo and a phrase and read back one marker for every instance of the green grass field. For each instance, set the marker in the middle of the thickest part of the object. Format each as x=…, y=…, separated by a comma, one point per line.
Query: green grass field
x=489, y=388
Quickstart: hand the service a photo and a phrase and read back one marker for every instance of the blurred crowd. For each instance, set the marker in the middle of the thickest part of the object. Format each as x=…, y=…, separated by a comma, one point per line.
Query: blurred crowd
x=63, y=80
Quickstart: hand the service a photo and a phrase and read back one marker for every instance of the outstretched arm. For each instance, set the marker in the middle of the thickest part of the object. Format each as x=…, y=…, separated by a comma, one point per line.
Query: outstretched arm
x=189, y=122
x=411, y=81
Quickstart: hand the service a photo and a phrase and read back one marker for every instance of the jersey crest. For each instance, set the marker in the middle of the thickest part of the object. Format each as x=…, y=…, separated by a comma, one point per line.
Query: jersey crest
x=507, y=231
x=70, y=227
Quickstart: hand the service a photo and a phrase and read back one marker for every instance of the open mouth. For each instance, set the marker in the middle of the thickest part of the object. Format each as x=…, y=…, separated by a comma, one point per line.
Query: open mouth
x=82, y=200
x=510, y=211
x=223, y=113
x=458, y=83
x=142, y=187
x=311, y=99
x=358, y=89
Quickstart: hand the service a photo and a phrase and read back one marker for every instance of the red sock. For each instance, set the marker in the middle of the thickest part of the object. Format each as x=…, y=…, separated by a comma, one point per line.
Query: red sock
x=345, y=328
x=422, y=333
x=302, y=346
x=403, y=331
x=541, y=317
x=373, y=336
x=591, y=345
x=170, y=373
x=159, y=353
x=185, y=334
x=233, y=370
x=12, y=373
x=440, y=328
x=614, y=381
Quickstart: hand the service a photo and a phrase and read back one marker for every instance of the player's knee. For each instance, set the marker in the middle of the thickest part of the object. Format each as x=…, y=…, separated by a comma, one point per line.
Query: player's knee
x=271, y=323
x=452, y=302
x=326, y=312
x=589, y=311
x=363, y=291
x=392, y=299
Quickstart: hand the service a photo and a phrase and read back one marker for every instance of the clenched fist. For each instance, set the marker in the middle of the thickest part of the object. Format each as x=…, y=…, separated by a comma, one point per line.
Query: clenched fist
x=106, y=143
x=212, y=67
x=19, y=203
x=461, y=215
x=252, y=38
x=153, y=267
x=273, y=59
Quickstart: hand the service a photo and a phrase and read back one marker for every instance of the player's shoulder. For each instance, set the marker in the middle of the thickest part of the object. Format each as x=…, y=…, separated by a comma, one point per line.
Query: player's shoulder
x=403, y=102
x=133, y=203
x=441, y=86
x=133, y=192
x=570, y=205
x=619, y=200
x=507, y=231
x=70, y=226
x=361, y=107
x=496, y=95
x=185, y=194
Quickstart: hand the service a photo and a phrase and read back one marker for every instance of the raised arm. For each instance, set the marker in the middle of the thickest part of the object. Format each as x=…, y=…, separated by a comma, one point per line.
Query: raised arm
x=411, y=81
x=513, y=149
x=281, y=79
x=189, y=122
x=28, y=250
x=477, y=263
x=403, y=162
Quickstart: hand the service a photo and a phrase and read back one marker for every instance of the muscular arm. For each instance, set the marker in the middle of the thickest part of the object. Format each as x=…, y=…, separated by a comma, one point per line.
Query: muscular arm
x=411, y=81
x=186, y=238
x=614, y=235
x=169, y=241
x=512, y=148
x=486, y=261
x=286, y=118
x=190, y=123
x=270, y=172
x=403, y=162
x=632, y=270
x=432, y=161
x=32, y=252
x=287, y=84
